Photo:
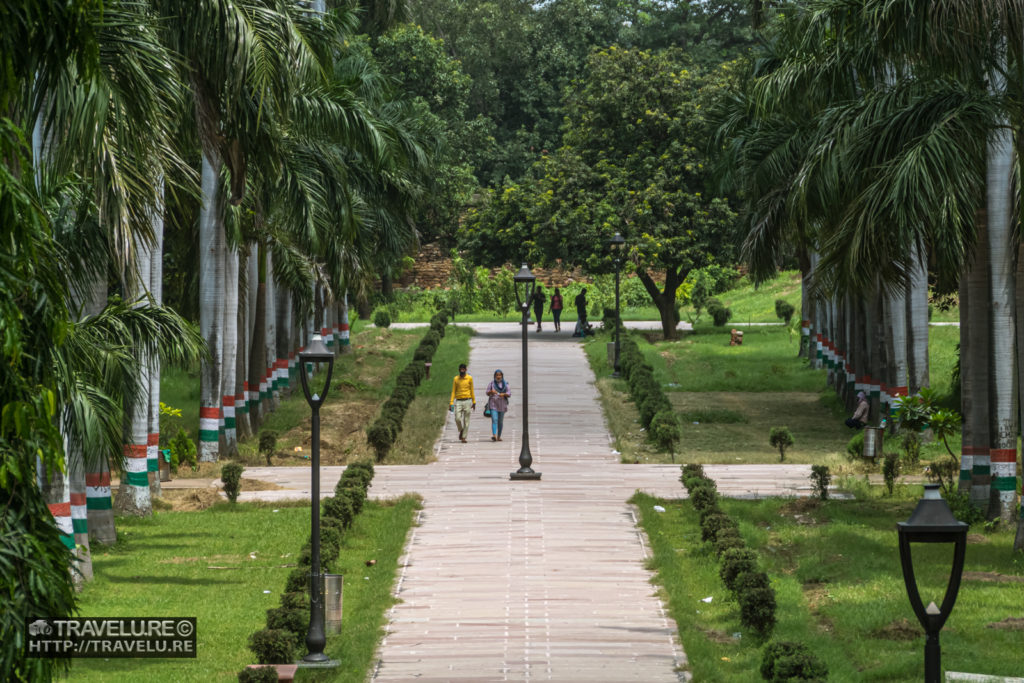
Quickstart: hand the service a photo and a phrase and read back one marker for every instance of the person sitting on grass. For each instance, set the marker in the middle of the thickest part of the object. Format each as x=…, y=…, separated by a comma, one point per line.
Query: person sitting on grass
x=860, y=415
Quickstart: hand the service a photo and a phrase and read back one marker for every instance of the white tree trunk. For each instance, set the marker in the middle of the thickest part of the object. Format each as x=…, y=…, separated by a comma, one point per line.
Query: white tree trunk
x=98, y=501
x=896, y=314
x=230, y=350
x=917, y=321
x=344, y=326
x=1002, y=250
x=268, y=390
x=212, y=247
x=156, y=291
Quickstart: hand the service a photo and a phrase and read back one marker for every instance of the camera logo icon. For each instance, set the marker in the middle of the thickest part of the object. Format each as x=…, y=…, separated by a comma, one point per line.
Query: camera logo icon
x=40, y=627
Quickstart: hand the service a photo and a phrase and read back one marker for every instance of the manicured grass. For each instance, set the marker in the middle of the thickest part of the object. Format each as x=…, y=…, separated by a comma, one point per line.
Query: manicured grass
x=426, y=415
x=758, y=305
x=839, y=589
x=200, y=564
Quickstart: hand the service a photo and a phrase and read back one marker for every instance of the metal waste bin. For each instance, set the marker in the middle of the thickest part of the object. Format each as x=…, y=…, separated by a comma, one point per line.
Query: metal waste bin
x=332, y=603
x=872, y=442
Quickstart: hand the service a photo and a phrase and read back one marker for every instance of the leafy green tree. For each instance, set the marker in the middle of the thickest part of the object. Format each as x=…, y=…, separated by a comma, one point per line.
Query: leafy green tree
x=632, y=161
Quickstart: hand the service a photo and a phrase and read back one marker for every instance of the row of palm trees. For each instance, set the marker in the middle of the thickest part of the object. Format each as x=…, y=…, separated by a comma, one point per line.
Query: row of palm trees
x=879, y=141
x=306, y=167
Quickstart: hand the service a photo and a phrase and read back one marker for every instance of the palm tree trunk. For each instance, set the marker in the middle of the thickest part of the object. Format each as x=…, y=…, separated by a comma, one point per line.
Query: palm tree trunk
x=242, y=425
x=974, y=370
x=1018, y=542
x=805, y=304
x=230, y=350
x=344, y=327
x=1002, y=248
x=917, y=320
x=79, y=511
x=133, y=496
x=56, y=492
x=258, y=347
x=269, y=388
x=156, y=289
x=212, y=246
x=98, y=501
x=896, y=312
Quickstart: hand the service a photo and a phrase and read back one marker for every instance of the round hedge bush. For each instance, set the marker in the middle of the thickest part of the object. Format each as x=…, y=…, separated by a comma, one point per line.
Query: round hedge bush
x=382, y=318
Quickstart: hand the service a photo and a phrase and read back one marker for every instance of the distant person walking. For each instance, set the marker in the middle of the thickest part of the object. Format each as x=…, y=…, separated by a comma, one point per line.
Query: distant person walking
x=860, y=415
x=462, y=401
x=556, y=309
x=538, y=303
x=498, y=392
x=581, y=313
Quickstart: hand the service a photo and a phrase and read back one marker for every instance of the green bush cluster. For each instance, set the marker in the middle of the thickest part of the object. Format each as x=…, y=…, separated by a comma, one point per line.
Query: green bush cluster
x=656, y=413
x=287, y=624
x=264, y=674
x=820, y=479
x=231, y=477
x=738, y=564
x=718, y=311
x=788, y=661
x=382, y=317
x=383, y=432
x=183, y=450
x=784, y=310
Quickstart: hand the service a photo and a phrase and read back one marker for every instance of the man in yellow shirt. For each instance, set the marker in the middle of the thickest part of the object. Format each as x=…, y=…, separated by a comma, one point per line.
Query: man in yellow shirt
x=462, y=401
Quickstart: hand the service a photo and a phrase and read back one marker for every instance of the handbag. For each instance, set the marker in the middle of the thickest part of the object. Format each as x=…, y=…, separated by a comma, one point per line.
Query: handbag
x=487, y=412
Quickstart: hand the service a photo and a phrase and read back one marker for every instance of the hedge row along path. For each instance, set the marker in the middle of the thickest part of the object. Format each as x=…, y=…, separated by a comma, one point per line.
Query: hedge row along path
x=531, y=580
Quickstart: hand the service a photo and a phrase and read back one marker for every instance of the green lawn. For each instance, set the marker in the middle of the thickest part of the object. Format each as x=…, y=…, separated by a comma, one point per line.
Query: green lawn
x=226, y=566
x=837, y=579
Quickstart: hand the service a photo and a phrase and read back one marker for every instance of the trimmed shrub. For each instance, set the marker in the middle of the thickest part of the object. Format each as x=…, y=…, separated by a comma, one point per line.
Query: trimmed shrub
x=292, y=620
x=364, y=465
x=231, y=476
x=183, y=450
x=381, y=436
x=664, y=430
x=268, y=444
x=713, y=524
x=298, y=581
x=789, y=661
x=781, y=438
x=728, y=538
x=330, y=542
x=360, y=478
x=820, y=479
x=260, y=674
x=704, y=495
x=784, y=310
x=736, y=561
x=423, y=353
x=751, y=580
x=891, y=470
x=691, y=470
x=719, y=313
x=356, y=496
x=273, y=646
x=404, y=393
x=297, y=600
x=382, y=318
x=855, y=447
x=340, y=508
x=757, y=609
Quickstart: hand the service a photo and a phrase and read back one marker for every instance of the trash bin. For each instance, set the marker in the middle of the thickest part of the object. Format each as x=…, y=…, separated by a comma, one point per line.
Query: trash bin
x=332, y=602
x=872, y=442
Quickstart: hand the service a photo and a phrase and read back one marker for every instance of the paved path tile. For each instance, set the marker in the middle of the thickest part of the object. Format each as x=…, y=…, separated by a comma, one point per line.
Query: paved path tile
x=531, y=580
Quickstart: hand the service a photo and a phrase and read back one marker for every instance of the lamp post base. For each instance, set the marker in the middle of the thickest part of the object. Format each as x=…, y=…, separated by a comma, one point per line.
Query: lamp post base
x=325, y=663
x=516, y=476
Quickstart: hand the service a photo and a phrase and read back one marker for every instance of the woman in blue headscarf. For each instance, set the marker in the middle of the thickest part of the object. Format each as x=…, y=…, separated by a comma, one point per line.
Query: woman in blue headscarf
x=498, y=392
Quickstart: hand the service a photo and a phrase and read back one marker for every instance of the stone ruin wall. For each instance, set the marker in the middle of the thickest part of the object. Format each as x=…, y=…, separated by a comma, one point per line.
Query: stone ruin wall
x=433, y=268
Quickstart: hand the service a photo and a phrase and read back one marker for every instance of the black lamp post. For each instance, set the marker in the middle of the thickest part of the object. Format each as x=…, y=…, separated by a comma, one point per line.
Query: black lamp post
x=616, y=244
x=316, y=352
x=932, y=522
x=523, y=283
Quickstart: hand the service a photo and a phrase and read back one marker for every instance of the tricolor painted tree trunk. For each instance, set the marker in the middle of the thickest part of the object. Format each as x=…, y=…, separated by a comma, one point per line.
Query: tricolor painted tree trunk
x=268, y=388
x=975, y=472
x=212, y=246
x=56, y=491
x=343, y=327
x=1002, y=250
x=156, y=288
x=229, y=364
x=79, y=510
x=133, y=496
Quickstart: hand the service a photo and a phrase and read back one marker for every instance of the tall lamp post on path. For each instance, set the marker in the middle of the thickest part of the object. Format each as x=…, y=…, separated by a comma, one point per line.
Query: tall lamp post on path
x=524, y=283
x=932, y=522
x=316, y=352
x=616, y=244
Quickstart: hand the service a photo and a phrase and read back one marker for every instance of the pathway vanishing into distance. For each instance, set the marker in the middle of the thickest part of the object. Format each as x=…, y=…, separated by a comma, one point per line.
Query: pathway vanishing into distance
x=531, y=580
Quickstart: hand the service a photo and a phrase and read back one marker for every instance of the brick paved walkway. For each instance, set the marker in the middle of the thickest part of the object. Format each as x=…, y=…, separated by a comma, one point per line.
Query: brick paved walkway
x=531, y=580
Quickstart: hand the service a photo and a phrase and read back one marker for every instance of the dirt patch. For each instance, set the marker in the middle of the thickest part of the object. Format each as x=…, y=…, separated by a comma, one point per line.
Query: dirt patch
x=977, y=539
x=669, y=357
x=992, y=577
x=900, y=629
x=803, y=511
x=342, y=435
x=817, y=594
x=1008, y=624
x=258, y=485
x=192, y=499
